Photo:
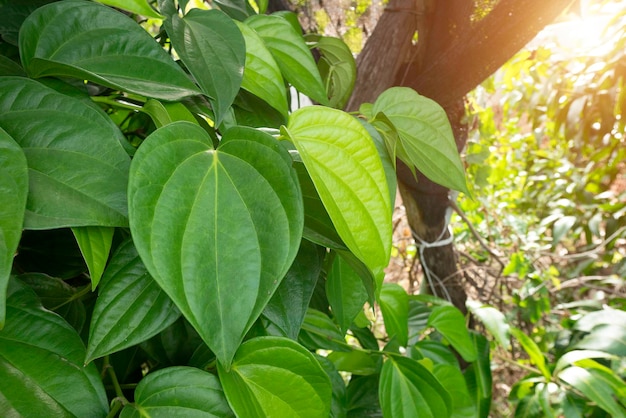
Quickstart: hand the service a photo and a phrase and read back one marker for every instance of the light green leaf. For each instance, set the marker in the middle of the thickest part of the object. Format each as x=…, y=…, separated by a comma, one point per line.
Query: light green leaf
x=261, y=75
x=272, y=376
x=425, y=135
x=195, y=211
x=131, y=307
x=346, y=293
x=561, y=227
x=78, y=170
x=293, y=57
x=140, y=7
x=571, y=358
x=533, y=351
x=394, y=305
x=95, y=244
x=593, y=388
x=337, y=68
x=165, y=113
x=176, y=392
x=213, y=49
x=387, y=157
x=408, y=389
x=344, y=165
x=610, y=338
x=13, y=193
x=41, y=364
x=450, y=323
x=493, y=320
x=355, y=361
x=90, y=41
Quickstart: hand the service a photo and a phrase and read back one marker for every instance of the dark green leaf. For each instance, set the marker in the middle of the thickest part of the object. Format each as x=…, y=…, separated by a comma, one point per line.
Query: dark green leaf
x=177, y=392
x=319, y=331
x=478, y=377
x=237, y=9
x=450, y=323
x=394, y=305
x=338, y=407
x=13, y=193
x=363, y=397
x=451, y=378
x=293, y=57
x=425, y=135
x=346, y=293
x=41, y=364
x=78, y=171
x=10, y=67
x=289, y=304
x=355, y=362
x=214, y=51
x=195, y=211
x=408, y=389
x=434, y=350
x=131, y=307
x=112, y=50
x=272, y=376
x=95, y=244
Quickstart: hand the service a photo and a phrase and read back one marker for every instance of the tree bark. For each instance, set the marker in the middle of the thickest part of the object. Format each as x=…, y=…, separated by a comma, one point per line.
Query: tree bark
x=452, y=56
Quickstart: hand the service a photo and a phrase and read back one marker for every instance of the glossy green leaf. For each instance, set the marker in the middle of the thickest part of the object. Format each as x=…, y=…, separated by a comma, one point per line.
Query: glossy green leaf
x=394, y=305
x=362, y=394
x=451, y=378
x=131, y=307
x=593, y=388
x=288, y=306
x=176, y=392
x=434, y=350
x=165, y=113
x=13, y=193
x=356, y=362
x=140, y=7
x=213, y=49
x=95, y=244
x=346, y=293
x=112, y=50
x=344, y=165
x=425, y=134
x=450, y=323
x=237, y=9
x=291, y=53
x=319, y=331
x=272, y=376
x=493, y=320
x=195, y=211
x=41, y=364
x=532, y=349
x=408, y=389
x=261, y=75
x=78, y=171
x=337, y=68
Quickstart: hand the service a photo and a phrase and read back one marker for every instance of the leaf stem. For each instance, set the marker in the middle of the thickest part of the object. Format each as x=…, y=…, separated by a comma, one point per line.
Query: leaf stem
x=520, y=365
x=116, y=384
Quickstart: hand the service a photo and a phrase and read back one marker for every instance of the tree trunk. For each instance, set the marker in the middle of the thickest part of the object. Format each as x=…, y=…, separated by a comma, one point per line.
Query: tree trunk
x=453, y=54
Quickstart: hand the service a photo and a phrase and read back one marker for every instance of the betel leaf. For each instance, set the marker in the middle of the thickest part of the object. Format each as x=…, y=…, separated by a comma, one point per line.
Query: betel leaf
x=131, y=307
x=532, y=349
x=289, y=304
x=217, y=229
x=594, y=388
x=394, y=305
x=78, y=170
x=10, y=67
x=90, y=41
x=213, y=49
x=451, y=378
x=344, y=165
x=425, y=134
x=337, y=68
x=179, y=391
x=493, y=320
x=237, y=9
x=95, y=244
x=478, y=377
x=13, y=193
x=261, y=75
x=140, y=7
x=319, y=331
x=408, y=389
x=165, y=113
x=41, y=363
x=346, y=293
x=450, y=323
x=291, y=54
x=273, y=376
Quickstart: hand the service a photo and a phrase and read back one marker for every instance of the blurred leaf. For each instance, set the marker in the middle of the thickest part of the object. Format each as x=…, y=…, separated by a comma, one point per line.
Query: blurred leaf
x=608, y=338
x=534, y=352
x=594, y=388
x=493, y=320
x=561, y=227
x=452, y=379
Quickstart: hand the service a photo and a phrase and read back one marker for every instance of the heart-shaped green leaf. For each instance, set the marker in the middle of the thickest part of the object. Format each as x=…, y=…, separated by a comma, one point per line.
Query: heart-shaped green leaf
x=272, y=376
x=213, y=49
x=78, y=170
x=217, y=229
x=348, y=174
x=408, y=389
x=13, y=192
x=131, y=307
x=95, y=244
x=177, y=392
x=41, y=364
x=291, y=54
x=450, y=323
x=89, y=41
x=261, y=75
x=425, y=135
